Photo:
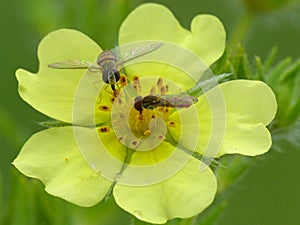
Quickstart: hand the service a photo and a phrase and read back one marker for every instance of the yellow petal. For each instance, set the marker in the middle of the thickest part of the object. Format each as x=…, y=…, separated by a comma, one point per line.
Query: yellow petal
x=233, y=122
x=156, y=22
x=53, y=157
x=184, y=195
x=51, y=91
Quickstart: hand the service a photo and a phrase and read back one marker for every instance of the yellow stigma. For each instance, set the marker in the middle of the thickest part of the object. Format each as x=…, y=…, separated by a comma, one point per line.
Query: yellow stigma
x=139, y=123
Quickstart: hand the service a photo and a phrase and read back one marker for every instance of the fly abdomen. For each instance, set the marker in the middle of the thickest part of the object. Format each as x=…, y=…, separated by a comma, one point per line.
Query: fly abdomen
x=106, y=56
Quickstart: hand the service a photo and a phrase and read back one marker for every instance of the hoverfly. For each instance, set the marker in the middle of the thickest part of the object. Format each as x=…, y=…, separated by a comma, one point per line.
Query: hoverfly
x=173, y=101
x=107, y=62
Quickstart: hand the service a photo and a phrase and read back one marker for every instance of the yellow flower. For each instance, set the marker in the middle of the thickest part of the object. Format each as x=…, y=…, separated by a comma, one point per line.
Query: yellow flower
x=159, y=180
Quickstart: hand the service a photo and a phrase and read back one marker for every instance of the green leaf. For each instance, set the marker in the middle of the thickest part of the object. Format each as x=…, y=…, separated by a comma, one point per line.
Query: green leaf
x=241, y=65
x=211, y=215
x=284, y=79
x=1, y=198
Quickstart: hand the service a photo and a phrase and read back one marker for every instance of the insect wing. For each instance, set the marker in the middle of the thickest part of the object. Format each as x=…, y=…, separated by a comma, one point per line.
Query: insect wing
x=74, y=64
x=178, y=101
x=138, y=52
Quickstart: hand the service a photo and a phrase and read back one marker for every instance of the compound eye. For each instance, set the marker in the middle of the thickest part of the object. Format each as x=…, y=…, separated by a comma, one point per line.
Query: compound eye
x=138, y=103
x=105, y=76
x=117, y=75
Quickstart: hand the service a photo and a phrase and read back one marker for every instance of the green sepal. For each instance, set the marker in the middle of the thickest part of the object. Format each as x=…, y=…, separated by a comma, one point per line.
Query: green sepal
x=53, y=123
x=204, y=85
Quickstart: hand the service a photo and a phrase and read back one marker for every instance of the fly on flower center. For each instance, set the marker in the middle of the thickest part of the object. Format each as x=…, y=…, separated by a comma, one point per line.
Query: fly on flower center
x=140, y=113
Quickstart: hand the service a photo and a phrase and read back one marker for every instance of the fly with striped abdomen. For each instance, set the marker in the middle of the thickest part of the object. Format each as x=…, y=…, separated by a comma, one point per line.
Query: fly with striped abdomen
x=172, y=101
x=107, y=62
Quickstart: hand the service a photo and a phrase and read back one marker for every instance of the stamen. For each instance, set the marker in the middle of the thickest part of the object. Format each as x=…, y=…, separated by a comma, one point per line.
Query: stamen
x=136, y=78
x=154, y=115
x=163, y=109
x=163, y=89
x=167, y=87
x=121, y=138
x=122, y=116
x=133, y=144
x=161, y=137
x=171, y=124
x=147, y=132
x=104, y=129
x=139, y=118
x=135, y=87
x=112, y=99
x=104, y=108
x=116, y=93
x=153, y=90
x=120, y=100
x=117, y=123
x=123, y=80
x=159, y=82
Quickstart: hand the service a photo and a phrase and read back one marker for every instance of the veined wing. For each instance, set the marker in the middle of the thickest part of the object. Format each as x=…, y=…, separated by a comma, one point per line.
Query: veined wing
x=74, y=64
x=178, y=101
x=174, y=101
x=138, y=52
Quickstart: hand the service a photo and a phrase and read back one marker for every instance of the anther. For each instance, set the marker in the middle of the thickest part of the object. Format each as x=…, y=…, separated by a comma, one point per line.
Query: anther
x=140, y=118
x=116, y=93
x=147, y=132
x=121, y=138
x=122, y=116
x=135, y=87
x=154, y=115
x=104, y=108
x=167, y=87
x=136, y=78
x=123, y=80
x=120, y=100
x=163, y=89
x=112, y=98
x=153, y=90
x=171, y=124
x=104, y=129
x=133, y=144
x=159, y=82
x=161, y=137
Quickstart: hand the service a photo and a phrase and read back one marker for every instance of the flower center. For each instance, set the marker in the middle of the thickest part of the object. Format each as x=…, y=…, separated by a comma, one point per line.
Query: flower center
x=139, y=122
x=140, y=114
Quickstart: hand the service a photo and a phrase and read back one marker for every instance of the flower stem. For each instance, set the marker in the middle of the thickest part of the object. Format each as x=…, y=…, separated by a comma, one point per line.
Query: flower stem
x=240, y=31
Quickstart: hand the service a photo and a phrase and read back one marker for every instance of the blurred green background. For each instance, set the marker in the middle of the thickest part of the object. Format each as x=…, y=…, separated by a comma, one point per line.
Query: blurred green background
x=267, y=193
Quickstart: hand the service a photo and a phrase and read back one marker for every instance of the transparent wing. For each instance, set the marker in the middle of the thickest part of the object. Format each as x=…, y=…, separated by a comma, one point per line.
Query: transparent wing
x=74, y=64
x=179, y=101
x=138, y=51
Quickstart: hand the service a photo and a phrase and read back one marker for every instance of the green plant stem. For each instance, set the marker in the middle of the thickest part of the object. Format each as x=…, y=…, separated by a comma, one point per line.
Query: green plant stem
x=240, y=31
